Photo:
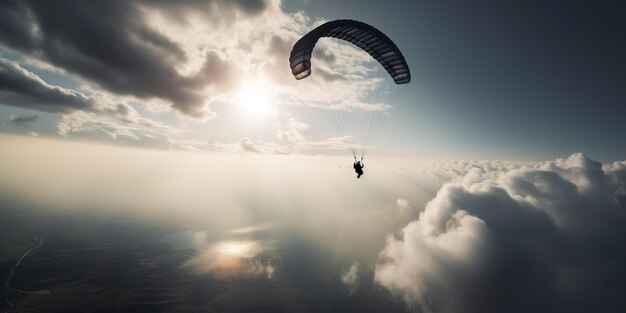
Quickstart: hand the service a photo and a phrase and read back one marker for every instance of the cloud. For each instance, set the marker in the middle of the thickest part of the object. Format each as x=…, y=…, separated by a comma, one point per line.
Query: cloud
x=207, y=7
x=291, y=131
x=291, y=140
x=539, y=237
x=117, y=122
x=322, y=54
x=24, y=120
x=21, y=88
x=350, y=277
x=404, y=206
x=98, y=113
x=246, y=145
x=179, y=55
x=17, y=25
x=291, y=134
x=114, y=49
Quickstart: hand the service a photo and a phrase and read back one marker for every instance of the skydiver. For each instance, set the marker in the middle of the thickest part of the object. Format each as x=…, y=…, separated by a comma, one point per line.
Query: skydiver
x=358, y=167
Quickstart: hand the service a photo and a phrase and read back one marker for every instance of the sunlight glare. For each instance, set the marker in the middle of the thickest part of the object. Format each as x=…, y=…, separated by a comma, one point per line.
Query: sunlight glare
x=245, y=249
x=256, y=101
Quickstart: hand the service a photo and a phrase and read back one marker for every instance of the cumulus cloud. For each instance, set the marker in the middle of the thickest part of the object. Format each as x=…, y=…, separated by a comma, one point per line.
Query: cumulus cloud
x=291, y=131
x=114, y=49
x=350, y=277
x=244, y=145
x=115, y=125
x=291, y=135
x=403, y=205
x=540, y=237
x=291, y=140
x=247, y=145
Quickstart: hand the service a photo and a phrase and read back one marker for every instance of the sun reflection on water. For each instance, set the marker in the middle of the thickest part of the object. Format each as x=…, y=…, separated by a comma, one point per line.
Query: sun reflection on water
x=233, y=258
x=245, y=249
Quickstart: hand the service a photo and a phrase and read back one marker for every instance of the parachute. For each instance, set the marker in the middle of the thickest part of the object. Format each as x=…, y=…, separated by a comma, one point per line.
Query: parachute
x=359, y=124
x=364, y=36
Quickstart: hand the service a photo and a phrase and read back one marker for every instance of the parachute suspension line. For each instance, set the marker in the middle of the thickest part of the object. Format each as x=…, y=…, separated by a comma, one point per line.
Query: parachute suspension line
x=329, y=109
x=351, y=118
x=352, y=113
x=336, y=112
x=356, y=114
x=373, y=115
x=364, y=115
x=340, y=119
x=346, y=101
x=338, y=108
x=370, y=115
x=354, y=120
x=330, y=114
x=379, y=120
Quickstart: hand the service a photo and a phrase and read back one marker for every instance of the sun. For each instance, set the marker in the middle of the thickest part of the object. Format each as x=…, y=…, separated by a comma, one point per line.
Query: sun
x=256, y=101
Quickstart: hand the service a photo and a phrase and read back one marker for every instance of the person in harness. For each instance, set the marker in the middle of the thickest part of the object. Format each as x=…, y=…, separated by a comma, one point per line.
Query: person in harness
x=358, y=167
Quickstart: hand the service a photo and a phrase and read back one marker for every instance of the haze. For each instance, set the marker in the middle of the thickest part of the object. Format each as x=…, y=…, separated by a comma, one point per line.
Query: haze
x=174, y=156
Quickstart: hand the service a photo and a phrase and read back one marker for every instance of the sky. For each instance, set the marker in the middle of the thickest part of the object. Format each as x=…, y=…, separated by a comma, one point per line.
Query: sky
x=525, y=81
x=500, y=165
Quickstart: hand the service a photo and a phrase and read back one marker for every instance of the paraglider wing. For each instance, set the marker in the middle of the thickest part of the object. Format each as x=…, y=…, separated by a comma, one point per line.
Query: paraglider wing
x=364, y=36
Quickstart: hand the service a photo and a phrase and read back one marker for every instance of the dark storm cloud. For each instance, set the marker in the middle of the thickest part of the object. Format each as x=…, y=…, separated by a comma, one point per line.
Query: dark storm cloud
x=108, y=43
x=545, y=239
x=251, y=6
x=17, y=25
x=246, y=6
x=24, y=120
x=21, y=88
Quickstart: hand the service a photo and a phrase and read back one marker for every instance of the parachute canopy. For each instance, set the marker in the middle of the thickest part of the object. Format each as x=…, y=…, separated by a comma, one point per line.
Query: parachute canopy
x=364, y=36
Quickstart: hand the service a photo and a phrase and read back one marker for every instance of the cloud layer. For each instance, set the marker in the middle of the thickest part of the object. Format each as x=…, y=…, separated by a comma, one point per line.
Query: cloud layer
x=498, y=236
x=534, y=238
x=114, y=49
